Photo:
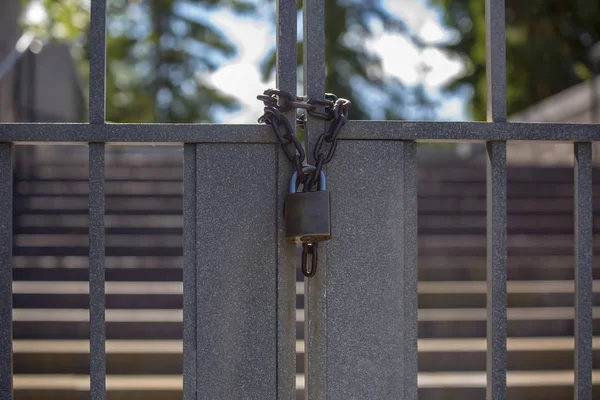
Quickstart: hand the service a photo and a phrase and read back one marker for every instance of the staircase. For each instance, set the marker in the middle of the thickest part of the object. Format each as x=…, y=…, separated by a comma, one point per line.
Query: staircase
x=143, y=289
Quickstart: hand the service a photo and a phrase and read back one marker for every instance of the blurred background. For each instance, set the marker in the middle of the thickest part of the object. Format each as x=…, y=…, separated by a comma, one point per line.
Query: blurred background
x=185, y=61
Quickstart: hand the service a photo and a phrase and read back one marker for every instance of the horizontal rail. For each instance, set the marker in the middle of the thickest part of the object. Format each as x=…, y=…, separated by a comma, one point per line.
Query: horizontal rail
x=354, y=130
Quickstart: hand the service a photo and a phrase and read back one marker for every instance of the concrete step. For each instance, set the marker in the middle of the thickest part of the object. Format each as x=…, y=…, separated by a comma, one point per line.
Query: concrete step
x=120, y=324
x=135, y=357
x=75, y=241
x=537, y=353
x=519, y=294
x=521, y=385
x=145, y=170
x=171, y=159
x=430, y=245
x=111, y=221
x=429, y=224
x=168, y=295
x=476, y=206
x=167, y=324
x=522, y=322
x=50, y=187
x=123, y=357
x=76, y=387
x=425, y=188
x=429, y=206
x=111, y=251
x=71, y=268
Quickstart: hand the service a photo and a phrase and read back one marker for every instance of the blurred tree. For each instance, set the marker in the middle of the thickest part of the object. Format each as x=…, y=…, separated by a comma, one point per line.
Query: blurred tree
x=353, y=70
x=10, y=34
x=158, y=56
x=548, y=44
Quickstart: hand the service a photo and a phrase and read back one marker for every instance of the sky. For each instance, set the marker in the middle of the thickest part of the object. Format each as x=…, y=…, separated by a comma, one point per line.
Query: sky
x=254, y=38
x=400, y=58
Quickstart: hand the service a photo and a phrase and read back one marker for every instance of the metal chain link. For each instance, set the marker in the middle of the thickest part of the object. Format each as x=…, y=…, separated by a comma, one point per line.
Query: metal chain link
x=332, y=108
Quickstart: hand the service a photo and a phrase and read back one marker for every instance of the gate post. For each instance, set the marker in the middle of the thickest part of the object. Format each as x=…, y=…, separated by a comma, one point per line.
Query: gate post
x=361, y=308
x=364, y=342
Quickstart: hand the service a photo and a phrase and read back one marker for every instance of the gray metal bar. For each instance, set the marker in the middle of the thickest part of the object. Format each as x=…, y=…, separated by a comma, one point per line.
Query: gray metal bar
x=371, y=273
x=583, y=271
x=6, y=218
x=97, y=61
x=97, y=273
x=315, y=309
x=496, y=201
x=496, y=270
x=353, y=130
x=189, y=271
x=496, y=59
x=175, y=134
x=411, y=277
x=286, y=267
x=236, y=247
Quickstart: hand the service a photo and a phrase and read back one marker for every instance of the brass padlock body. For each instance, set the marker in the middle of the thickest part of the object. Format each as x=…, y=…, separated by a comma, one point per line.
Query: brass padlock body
x=308, y=217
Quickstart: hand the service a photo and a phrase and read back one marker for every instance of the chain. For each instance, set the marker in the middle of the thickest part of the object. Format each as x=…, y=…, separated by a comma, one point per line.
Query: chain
x=334, y=109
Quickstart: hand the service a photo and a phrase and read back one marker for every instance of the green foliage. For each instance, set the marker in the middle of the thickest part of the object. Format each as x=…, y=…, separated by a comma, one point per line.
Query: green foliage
x=353, y=70
x=548, y=42
x=159, y=55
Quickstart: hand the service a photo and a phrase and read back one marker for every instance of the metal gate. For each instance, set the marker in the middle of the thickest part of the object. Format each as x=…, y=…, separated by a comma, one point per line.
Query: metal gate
x=239, y=276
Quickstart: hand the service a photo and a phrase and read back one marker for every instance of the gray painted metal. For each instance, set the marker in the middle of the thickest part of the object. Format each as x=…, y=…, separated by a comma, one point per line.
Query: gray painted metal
x=496, y=59
x=97, y=61
x=496, y=270
x=177, y=134
x=410, y=267
x=97, y=272
x=367, y=273
x=239, y=274
x=190, y=262
x=496, y=201
x=583, y=271
x=6, y=218
x=315, y=308
x=236, y=281
x=286, y=266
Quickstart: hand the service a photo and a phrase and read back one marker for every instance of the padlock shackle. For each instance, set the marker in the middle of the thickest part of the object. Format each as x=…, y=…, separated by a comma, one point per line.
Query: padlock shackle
x=308, y=168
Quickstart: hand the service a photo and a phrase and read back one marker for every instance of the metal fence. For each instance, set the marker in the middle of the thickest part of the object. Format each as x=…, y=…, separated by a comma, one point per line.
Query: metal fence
x=239, y=276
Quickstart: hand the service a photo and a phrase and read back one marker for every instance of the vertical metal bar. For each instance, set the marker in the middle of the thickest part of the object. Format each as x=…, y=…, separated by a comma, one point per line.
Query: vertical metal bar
x=315, y=308
x=97, y=61
x=496, y=270
x=583, y=271
x=96, y=199
x=496, y=202
x=314, y=66
x=287, y=39
x=97, y=272
x=496, y=59
x=189, y=271
x=6, y=217
x=411, y=277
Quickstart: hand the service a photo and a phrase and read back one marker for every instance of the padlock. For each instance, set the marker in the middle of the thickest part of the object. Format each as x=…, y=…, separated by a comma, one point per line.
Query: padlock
x=307, y=214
